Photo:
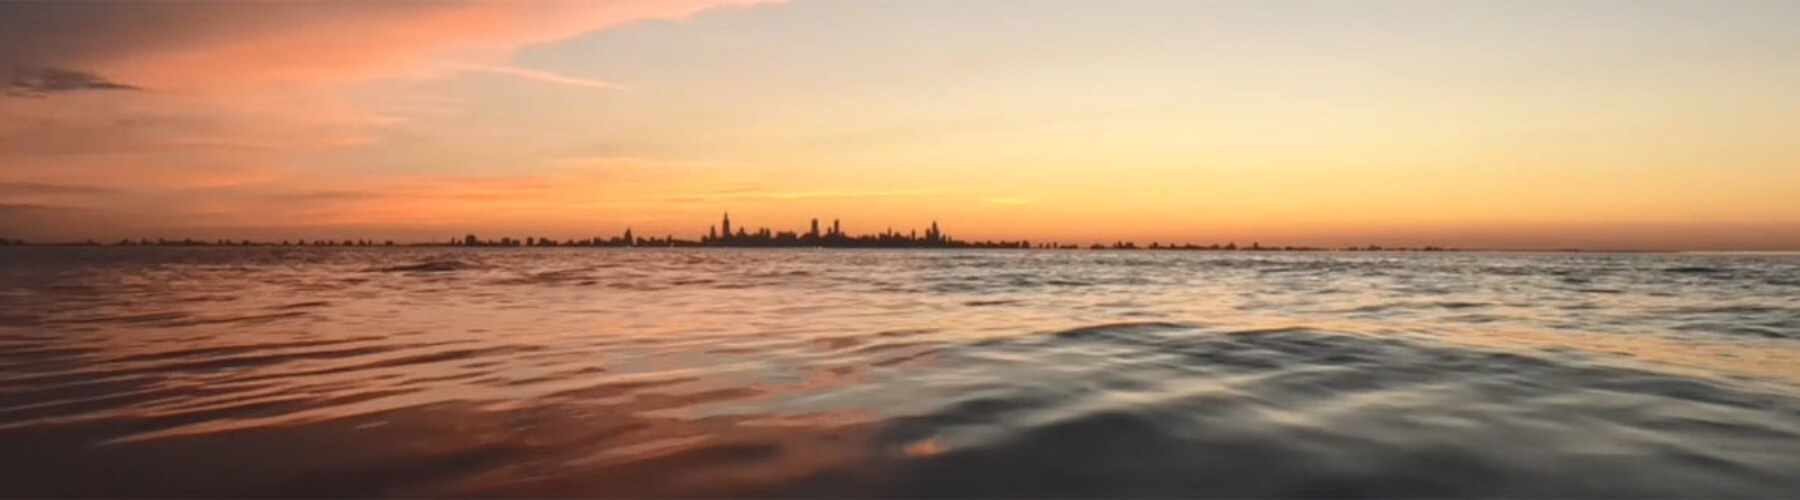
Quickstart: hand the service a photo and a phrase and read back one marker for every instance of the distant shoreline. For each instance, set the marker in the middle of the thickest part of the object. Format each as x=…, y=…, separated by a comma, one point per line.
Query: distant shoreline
x=1749, y=253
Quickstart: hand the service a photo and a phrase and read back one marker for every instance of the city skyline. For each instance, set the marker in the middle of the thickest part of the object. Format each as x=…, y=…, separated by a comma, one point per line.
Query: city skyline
x=765, y=236
x=1603, y=124
x=723, y=235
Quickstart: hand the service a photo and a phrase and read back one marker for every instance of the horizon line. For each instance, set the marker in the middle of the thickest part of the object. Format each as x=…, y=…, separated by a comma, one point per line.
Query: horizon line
x=349, y=243
x=653, y=242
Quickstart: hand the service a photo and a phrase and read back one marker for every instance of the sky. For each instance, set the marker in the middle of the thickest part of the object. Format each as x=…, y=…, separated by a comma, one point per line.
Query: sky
x=1603, y=124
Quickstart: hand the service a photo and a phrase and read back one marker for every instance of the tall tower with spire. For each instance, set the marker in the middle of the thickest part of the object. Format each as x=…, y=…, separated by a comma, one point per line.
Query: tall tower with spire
x=726, y=226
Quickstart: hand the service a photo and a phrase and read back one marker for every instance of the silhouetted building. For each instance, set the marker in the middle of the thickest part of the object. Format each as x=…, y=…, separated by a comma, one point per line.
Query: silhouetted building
x=730, y=235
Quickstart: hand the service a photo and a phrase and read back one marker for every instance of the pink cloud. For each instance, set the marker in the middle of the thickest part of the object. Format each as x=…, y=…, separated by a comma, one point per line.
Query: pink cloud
x=352, y=44
x=235, y=96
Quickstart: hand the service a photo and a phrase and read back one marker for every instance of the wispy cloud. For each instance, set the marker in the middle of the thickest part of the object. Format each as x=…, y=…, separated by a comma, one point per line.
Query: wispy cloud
x=246, y=92
x=29, y=207
x=536, y=75
x=24, y=81
x=41, y=188
x=325, y=196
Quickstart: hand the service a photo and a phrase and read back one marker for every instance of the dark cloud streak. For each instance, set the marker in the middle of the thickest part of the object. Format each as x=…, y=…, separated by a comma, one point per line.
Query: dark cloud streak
x=13, y=188
x=24, y=81
x=30, y=207
x=83, y=33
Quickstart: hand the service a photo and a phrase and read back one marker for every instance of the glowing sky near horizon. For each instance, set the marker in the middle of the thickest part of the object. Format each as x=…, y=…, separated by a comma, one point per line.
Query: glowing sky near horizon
x=1474, y=123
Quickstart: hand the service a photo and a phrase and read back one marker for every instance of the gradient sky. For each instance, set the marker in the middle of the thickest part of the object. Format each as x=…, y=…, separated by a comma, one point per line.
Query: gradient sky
x=1509, y=123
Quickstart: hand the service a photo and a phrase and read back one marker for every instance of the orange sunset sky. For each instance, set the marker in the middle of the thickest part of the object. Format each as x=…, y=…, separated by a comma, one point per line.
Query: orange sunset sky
x=1651, y=124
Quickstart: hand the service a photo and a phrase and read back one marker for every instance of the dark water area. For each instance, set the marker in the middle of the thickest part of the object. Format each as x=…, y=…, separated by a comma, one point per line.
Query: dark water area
x=156, y=372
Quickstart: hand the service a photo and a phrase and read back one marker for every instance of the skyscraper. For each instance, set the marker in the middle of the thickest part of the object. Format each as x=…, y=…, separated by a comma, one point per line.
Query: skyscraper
x=815, y=229
x=725, y=227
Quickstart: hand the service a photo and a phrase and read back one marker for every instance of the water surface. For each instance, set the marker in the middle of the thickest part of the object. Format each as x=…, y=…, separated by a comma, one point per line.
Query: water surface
x=634, y=372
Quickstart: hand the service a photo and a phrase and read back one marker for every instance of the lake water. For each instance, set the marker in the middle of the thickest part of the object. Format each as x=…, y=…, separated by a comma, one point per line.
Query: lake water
x=643, y=372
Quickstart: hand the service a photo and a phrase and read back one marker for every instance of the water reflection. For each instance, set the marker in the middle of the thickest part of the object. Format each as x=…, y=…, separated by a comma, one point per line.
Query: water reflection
x=351, y=372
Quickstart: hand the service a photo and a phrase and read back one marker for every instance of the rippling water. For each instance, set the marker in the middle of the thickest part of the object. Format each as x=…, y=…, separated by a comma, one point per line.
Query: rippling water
x=583, y=372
